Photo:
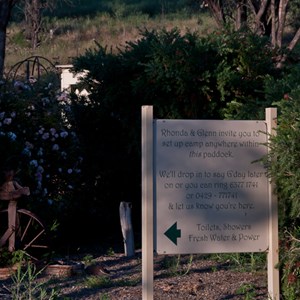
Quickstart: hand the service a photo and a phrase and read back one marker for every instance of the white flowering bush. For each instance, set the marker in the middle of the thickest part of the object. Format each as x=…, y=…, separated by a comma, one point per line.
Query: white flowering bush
x=37, y=139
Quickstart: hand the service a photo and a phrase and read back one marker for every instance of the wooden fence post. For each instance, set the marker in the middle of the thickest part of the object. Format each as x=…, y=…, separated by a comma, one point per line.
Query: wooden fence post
x=126, y=225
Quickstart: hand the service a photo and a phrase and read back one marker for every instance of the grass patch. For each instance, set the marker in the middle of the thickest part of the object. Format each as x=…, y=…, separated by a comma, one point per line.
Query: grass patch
x=99, y=282
x=176, y=265
x=247, y=290
x=107, y=282
x=104, y=297
x=66, y=37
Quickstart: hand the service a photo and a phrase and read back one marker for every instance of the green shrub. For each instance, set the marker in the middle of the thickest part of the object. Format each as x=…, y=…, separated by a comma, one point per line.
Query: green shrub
x=183, y=76
x=27, y=286
x=36, y=140
x=285, y=150
x=8, y=259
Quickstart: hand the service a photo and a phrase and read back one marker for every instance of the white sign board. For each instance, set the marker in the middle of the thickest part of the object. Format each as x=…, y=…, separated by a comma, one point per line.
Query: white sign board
x=211, y=194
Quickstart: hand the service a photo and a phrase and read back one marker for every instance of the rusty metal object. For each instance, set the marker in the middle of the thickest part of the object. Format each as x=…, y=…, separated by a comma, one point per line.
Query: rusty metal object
x=32, y=70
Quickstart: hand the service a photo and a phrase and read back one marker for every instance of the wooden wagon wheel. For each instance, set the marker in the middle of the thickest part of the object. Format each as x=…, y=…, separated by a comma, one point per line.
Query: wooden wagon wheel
x=30, y=233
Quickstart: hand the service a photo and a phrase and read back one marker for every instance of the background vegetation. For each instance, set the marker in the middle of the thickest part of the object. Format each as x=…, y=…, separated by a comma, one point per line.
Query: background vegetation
x=69, y=30
x=178, y=62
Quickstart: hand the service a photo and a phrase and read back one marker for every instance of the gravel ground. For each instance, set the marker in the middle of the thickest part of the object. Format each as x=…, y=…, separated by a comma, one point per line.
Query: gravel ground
x=109, y=277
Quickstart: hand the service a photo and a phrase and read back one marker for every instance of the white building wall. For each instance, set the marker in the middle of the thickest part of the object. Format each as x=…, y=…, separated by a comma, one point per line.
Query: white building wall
x=67, y=78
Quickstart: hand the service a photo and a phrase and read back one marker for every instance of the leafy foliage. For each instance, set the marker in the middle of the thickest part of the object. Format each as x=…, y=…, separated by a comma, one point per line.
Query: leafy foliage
x=286, y=149
x=225, y=75
x=294, y=12
x=285, y=172
x=124, y=7
x=246, y=63
x=36, y=139
x=182, y=76
x=8, y=259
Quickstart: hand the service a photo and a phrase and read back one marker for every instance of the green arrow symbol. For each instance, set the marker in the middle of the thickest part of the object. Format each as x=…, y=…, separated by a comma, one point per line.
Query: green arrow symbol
x=173, y=233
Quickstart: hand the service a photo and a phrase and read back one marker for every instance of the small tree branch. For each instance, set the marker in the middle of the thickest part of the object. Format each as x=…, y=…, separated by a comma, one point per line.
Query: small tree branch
x=273, y=16
x=290, y=47
x=258, y=14
x=294, y=41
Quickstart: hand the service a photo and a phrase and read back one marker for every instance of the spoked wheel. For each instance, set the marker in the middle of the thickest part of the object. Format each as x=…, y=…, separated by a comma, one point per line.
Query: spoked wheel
x=30, y=233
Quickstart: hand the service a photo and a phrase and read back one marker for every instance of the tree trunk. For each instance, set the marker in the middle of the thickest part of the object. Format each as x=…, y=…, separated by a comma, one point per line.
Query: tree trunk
x=5, y=11
x=2, y=50
x=295, y=40
x=281, y=21
x=33, y=21
x=241, y=14
x=290, y=47
x=217, y=10
x=260, y=26
x=274, y=29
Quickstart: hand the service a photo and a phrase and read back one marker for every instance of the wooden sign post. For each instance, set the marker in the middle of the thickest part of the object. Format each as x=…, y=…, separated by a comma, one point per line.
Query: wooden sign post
x=205, y=191
x=273, y=253
x=147, y=203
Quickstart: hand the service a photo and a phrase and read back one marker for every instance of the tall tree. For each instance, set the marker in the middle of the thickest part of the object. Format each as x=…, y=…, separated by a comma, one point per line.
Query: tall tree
x=33, y=16
x=33, y=20
x=33, y=10
x=5, y=12
x=265, y=17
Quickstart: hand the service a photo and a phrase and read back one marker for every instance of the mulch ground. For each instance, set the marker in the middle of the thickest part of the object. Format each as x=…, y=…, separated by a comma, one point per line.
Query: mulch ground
x=108, y=277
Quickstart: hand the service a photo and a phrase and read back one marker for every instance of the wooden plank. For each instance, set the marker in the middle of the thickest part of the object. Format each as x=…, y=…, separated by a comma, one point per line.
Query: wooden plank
x=12, y=217
x=147, y=202
x=273, y=253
